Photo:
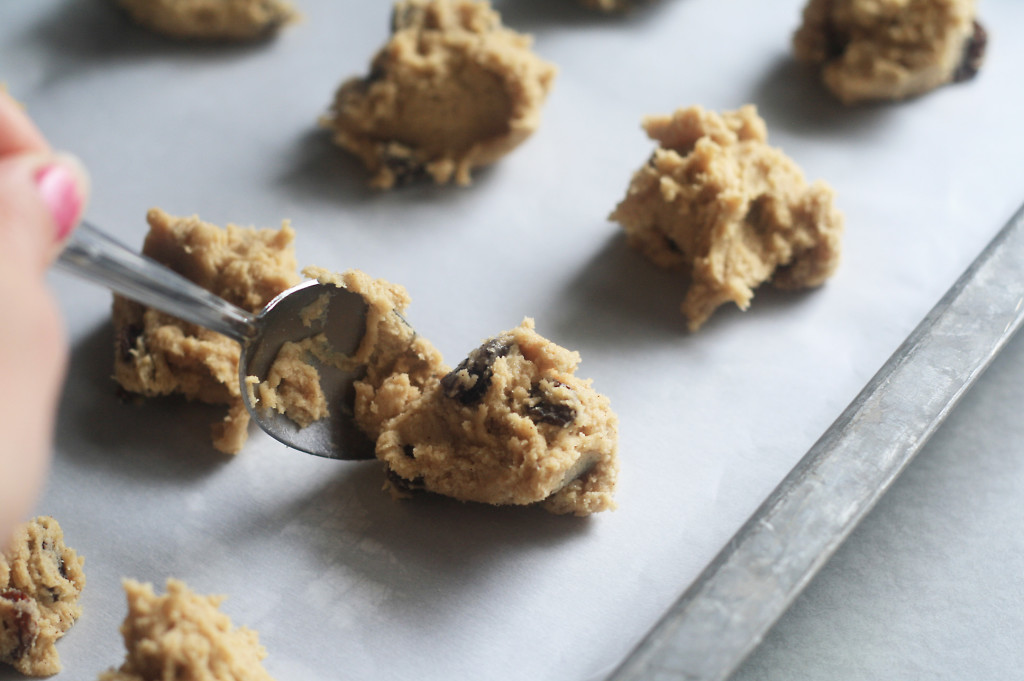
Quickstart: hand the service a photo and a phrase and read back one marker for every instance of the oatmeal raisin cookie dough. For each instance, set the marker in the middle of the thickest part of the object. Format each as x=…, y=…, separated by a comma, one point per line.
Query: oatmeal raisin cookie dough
x=156, y=354
x=450, y=91
x=388, y=345
x=716, y=201
x=184, y=636
x=389, y=349
x=293, y=386
x=890, y=49
x=41, y=579
x=211, y=19
x=512, y=424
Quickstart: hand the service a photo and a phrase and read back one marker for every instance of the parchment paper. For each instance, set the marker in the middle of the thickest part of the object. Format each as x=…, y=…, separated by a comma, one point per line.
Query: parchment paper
x=342, y=582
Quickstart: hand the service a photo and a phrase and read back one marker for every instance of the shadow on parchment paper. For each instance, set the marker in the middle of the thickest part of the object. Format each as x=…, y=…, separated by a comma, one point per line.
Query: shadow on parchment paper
x=83, y=35
x=622, y=295
x=791, y=96
x=165, y=437
x=414, y=549
x=320, y=171
x=534, y=16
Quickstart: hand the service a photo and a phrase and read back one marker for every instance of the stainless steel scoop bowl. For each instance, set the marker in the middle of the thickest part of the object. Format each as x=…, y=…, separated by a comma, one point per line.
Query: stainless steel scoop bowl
x=93, y=255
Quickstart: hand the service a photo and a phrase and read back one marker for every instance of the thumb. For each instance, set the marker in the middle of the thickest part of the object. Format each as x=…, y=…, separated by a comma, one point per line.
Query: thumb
x=42, y=198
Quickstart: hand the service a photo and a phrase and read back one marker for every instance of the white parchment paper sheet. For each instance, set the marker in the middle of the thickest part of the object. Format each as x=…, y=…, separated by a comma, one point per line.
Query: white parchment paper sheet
x=341, y=581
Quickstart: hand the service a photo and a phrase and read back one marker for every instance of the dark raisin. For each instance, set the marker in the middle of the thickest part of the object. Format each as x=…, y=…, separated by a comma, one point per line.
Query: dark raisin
x=403, y=485
x=126, y=341
x=974, y=54
x=20, y=618
x=480, y=368
x=835, y=39
x=404, y=167
x=58, y=556
x=540, y=410
x=408, y=451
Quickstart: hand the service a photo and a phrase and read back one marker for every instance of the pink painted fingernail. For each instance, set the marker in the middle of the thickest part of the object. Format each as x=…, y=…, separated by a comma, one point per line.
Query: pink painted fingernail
x=60, y=189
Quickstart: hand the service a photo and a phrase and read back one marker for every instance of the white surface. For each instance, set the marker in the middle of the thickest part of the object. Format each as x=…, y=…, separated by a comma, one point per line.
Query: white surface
x=333, y=574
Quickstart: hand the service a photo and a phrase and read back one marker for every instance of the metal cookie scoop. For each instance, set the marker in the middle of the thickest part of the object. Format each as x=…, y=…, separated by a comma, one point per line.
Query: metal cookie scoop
x=95, y=256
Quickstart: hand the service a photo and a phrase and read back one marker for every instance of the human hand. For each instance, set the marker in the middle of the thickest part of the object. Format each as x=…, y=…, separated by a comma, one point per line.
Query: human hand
x=42, y=197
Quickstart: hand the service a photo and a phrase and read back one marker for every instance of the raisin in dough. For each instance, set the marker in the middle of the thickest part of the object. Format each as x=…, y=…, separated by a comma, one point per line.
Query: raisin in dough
x=211, y=19
x=451, y=90
x=41, y=580
x=185, y=637
x=512, y=424
x=890, y=49
x=157, y=354
x=717, y=202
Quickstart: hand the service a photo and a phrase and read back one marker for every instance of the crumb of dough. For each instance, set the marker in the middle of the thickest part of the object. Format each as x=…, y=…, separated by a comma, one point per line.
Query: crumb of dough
x=156, y=354
x=716, y=201
x=211, y=19
x=890, y=49
x=182, y=636
x=512, y=424
x=450, y=91
x=41, y=579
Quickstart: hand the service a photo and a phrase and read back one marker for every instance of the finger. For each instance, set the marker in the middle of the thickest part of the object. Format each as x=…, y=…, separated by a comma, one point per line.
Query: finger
x=18, y=135
x=42, y=198
x=32, y=363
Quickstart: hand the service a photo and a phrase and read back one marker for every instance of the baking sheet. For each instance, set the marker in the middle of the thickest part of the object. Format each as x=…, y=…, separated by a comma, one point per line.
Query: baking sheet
x=341, y=581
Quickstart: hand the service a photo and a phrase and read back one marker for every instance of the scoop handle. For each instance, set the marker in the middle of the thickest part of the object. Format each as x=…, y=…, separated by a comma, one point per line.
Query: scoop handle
x=94, y=255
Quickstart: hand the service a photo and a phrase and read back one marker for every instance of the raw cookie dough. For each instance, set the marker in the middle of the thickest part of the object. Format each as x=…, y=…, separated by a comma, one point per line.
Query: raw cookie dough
x=511, y=424
x=293, y=387
x=451, y=90
x=156, y=354
x=716, y=201
x=211, y=19
x=890, y=49
x=391, y=350
x=182, y=636
x=40, y=582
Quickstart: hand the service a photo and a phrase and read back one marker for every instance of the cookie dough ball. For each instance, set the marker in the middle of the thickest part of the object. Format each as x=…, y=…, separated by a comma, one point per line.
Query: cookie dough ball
x=185, y=637
x=890, y=49
x=451, y=90
x=512, y=424
x=156, y=354
x=211, y=19
x=717, y=202
x=41, y=580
